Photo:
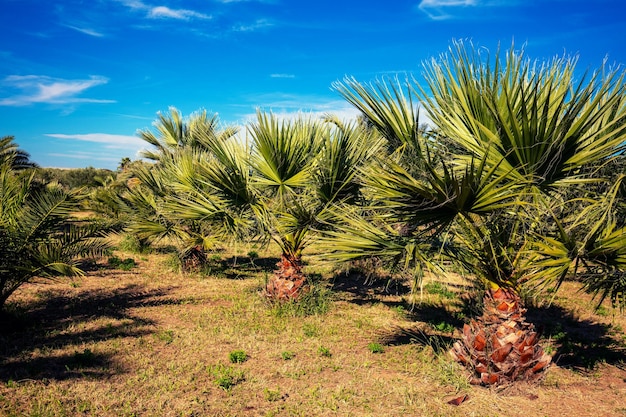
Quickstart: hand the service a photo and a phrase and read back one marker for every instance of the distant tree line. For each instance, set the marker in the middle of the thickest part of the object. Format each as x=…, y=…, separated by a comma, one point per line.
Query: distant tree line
x=70, y=179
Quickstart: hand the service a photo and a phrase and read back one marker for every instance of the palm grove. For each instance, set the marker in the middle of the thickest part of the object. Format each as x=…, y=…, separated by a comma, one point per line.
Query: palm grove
x=519, y=181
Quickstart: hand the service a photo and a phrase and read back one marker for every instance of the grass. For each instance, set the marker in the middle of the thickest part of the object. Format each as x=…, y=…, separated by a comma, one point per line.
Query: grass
x=237, y=356
x=158, y=343
x=123, y=264
x=375, y=348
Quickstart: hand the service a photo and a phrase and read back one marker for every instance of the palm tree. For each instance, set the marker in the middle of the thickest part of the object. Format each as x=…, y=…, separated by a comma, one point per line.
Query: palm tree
x=301, y=168
x=277, y=187
x=37, y=235
x=174, y=132
x=526, y=138
x=19, y=158
x=151, y=194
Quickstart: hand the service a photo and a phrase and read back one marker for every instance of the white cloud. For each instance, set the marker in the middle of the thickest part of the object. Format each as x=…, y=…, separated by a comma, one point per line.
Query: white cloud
x=86, y=31
x=44, y=89
x=134, y=4
x=439, y=9
x=111, y=141
x=290, y=106
x=259, y=24
x=282, y=76
x=86, y=156
x=163, y=12
x=160, y=12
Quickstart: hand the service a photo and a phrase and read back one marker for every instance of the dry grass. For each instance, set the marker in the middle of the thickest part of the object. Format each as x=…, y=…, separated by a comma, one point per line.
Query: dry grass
x=150, y=342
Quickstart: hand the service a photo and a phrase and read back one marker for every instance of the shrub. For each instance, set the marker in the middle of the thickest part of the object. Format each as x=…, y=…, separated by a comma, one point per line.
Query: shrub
x=316, y=301
x=131, y=243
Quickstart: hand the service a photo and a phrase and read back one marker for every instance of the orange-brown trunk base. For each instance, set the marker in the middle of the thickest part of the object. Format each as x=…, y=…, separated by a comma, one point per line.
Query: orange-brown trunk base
x=501, y=347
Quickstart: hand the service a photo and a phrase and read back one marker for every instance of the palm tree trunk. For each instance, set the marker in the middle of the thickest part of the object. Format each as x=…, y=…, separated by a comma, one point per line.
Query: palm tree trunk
x=288, y=282
x=500, y=346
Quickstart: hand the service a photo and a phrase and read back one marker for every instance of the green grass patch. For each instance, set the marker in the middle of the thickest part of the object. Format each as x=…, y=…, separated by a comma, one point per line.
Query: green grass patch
x=123, y=264
x=438, y=288
x=226, y=377
x=237, y=356
x=376, y=348
x=317, y=300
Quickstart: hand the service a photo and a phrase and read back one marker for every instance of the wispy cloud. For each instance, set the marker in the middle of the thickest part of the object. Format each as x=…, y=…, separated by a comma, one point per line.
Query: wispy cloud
x=259, y=24
x=163, y=12
x=291, y=105
x=111, y=141
x=86, y=31
x=282, y=76
x=43, y=89
x=86, y=156
x=441, y=9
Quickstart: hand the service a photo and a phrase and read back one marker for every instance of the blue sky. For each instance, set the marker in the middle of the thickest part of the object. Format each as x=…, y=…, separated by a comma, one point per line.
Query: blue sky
x=78, y=78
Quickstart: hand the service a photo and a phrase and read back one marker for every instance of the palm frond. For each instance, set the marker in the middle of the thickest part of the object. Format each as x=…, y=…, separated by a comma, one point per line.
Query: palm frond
x=389, y=107
x=533, y=120
x=283, y=151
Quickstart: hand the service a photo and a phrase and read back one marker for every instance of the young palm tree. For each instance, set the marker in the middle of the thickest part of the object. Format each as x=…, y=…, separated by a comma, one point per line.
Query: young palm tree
x=300, y=169
x=524, y=135
x=37, y=235
x=278, y=187
x=187, y=151
x=174, y=132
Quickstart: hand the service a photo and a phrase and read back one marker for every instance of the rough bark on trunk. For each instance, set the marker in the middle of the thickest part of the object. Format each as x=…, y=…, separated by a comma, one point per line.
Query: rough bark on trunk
x=500, y=346
x=288, y=282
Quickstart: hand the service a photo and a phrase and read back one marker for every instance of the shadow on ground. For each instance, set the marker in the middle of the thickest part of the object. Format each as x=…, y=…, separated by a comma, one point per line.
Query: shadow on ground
x=367, y=289
x=45, y=339
x=580, y=344
x=234, y=267
x=244, y=266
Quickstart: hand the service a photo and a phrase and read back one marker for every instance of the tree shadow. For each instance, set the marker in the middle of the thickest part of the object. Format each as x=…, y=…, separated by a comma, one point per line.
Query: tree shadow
x=419, y=334
x=368, y=288
x=579, y=344
x=241, y=267
x=45, y=339
x=235, y=267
